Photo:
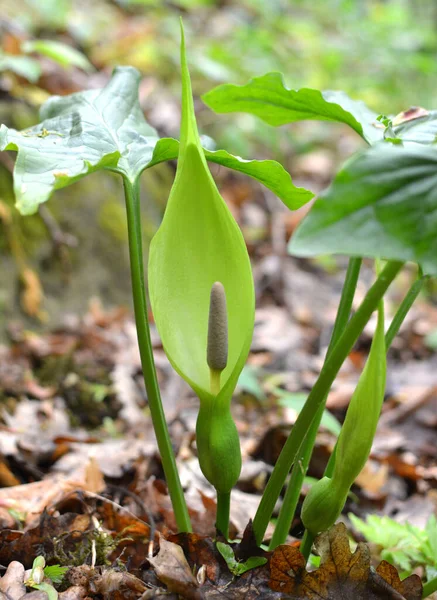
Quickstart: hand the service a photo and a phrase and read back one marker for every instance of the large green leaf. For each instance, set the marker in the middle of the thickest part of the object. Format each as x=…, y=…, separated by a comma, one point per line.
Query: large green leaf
x=106, y=129
x=383, y=203
x=267, y=97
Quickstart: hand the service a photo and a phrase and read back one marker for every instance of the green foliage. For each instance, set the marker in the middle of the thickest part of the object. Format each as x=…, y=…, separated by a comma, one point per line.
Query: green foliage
x=106, y=129
x=198, y=244
x=55, y=572
x=268, y=98
x=66, y=56
x=236, y=567
x=249, y=382
x=297, y=402
x=381, y=204
x=404, y=545
x=40, y=572
x=21, y=65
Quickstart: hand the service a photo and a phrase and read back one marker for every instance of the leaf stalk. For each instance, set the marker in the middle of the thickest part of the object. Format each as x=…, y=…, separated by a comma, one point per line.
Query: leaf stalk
x=132, y=196
x=300, y=466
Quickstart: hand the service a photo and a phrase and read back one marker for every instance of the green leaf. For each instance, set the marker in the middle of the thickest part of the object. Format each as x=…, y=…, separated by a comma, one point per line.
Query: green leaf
x=235, y=567
x=197, y=244
x=267, y=97
x=52, y=594
x=55, y=572
x=297, y=402
x=21, y=65
x=106, y=129
x=404, y=545
x=382, y=204
x=65, y=55
x=251, y=563
x=249, y=382
x=229, y=556
x=79, y=134
x=431, y=533
x=268, y=172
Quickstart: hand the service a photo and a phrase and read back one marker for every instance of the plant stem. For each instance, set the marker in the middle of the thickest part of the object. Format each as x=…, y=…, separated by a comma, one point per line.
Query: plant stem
x=429, y=588
x=403, y=309
x=132, y=196
x=214, y=378
x=306, y=544
x=300, y=466
x=317, y=395
x=223, y=511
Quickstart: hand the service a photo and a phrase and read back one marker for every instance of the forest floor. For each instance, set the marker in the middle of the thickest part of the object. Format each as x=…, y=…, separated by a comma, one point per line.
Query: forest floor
x=82, y=483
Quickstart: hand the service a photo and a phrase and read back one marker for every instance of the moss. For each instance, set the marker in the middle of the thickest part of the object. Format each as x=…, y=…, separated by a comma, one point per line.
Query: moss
x=75, y=549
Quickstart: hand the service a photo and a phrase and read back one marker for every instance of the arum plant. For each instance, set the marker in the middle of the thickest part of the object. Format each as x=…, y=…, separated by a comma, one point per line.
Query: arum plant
x=105, y=129
x=382, y=204
x=202, y=295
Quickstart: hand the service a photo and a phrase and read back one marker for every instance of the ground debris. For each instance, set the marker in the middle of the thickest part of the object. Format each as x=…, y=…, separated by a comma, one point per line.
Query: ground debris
x=341, y=573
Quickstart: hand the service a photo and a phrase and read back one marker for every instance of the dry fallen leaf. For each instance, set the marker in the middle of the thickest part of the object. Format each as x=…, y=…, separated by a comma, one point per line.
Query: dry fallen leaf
x=173, y=570
x=341, y=574
x=53, y=535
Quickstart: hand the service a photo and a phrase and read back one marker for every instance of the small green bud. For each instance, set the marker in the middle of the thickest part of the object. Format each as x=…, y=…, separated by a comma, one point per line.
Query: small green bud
x=217, y=351
x=359, y=427
x=322, y=505
x=218, y=446
x=37, y=574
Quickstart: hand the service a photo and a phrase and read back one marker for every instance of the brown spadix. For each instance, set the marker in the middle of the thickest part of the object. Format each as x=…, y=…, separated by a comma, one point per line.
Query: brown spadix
x=217, y=350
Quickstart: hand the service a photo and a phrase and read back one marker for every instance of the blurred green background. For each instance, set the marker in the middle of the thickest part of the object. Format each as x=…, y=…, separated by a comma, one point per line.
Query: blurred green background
x=383, y=52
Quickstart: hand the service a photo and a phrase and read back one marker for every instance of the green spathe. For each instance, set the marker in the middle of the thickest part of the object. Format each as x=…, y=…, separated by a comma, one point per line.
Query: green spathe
x=326, y=499
x=198, y=244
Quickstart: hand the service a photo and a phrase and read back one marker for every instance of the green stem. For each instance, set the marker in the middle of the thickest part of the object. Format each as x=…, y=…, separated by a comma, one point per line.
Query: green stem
x=317, y=395
x=132, y=195
x=307, y=544
x=300, y=466
x=403, y=309
x=392, y=332
x=429, y=588
x=223, y=511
